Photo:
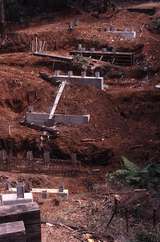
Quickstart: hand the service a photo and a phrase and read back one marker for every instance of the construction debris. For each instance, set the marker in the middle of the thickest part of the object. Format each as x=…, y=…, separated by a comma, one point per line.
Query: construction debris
x=115, y=57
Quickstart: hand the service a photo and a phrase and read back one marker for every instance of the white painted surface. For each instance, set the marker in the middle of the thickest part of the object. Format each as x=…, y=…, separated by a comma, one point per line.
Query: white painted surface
x=59, y=94
x=40, y=190
x=9, y=199
x=124, y=34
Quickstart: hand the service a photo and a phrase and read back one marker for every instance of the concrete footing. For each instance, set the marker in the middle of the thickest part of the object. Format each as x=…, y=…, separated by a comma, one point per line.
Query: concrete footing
x=126, y=34
x=72, y=119
x=95, y=81
x=43, y=119
x=13, y=231
x=36, y=118
x=29, y=213
x=9, y=199
x=64, y=192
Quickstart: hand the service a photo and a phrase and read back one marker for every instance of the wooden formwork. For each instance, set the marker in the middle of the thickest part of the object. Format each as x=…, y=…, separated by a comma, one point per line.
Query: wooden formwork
x=116, y=58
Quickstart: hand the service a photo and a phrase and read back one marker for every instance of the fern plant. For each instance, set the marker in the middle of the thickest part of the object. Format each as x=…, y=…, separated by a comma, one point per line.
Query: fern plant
x=132, y=174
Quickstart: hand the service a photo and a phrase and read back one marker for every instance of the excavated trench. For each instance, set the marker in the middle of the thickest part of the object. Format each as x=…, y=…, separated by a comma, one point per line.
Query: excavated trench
x=21, y=147
x=139, y=113
x=125, y=121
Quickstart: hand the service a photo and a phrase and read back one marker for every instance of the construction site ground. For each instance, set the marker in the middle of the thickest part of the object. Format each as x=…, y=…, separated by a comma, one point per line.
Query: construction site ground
x=125, y=118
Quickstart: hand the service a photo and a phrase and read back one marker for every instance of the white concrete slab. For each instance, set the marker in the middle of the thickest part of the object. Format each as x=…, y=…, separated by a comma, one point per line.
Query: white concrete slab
x=11, y=198
x=125, y=34
x=49, y=191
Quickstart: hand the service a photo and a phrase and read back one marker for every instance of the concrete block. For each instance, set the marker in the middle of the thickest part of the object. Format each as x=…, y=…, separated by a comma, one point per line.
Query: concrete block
x=83, y=74
x=97, y=82
x=12, y=232
x=20, y=190
x=11, y=198
x=123, y=33
x=79, y=46
x=70, y=73
x=37, y=118
x=29, y=213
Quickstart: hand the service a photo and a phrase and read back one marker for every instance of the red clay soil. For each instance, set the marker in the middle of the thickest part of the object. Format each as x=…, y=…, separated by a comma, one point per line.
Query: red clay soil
x=125, y=119
x=122, y=117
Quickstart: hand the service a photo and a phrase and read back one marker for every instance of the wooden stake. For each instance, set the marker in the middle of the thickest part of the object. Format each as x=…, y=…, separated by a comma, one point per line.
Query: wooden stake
x=154, y=218
x=127, y=220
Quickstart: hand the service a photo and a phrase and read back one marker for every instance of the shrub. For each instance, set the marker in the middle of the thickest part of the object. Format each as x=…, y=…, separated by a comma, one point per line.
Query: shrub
x=154, y=26
x=132, y=174
x=145, y=236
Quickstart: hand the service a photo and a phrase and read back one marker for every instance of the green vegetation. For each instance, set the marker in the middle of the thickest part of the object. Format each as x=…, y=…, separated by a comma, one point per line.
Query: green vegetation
x=131, y=174
x=19, y=10
x=81, y=62
x=147, y=236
